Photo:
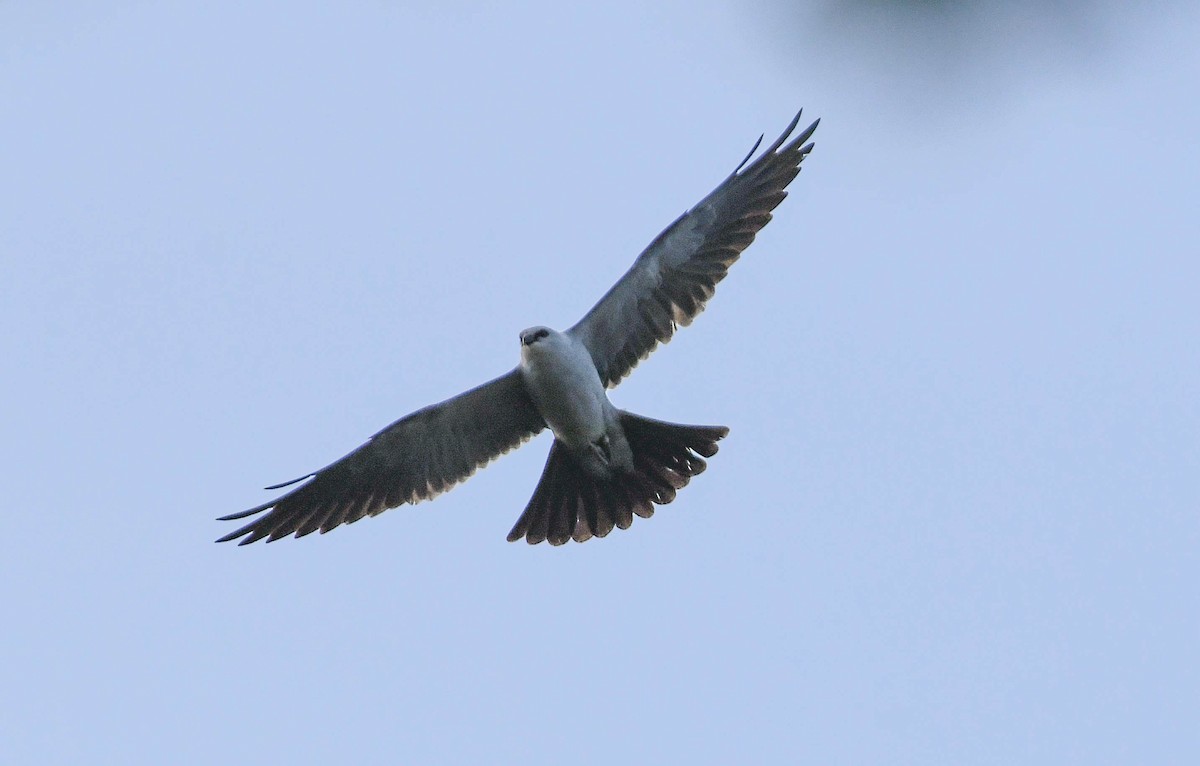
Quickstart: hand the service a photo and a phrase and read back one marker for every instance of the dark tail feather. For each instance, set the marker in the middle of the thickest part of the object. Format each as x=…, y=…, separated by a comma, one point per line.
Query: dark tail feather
x=570, y=503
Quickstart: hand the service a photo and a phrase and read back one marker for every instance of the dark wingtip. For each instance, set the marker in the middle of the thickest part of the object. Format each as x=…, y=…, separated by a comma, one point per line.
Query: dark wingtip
x=784, y=136
x=779, y=142
x=247, y=512
x=290, y=483
x=749, y=154
x=807, y=134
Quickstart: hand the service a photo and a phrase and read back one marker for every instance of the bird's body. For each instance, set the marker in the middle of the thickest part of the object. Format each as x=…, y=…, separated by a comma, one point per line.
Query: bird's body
x=606, y=465
x=566, y=389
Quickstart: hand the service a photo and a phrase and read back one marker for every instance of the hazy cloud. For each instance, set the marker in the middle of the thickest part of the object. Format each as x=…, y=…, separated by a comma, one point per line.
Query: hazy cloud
x=945, y=50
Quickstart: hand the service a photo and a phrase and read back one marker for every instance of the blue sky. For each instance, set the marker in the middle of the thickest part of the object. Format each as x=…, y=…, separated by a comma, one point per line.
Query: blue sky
x=955, y=520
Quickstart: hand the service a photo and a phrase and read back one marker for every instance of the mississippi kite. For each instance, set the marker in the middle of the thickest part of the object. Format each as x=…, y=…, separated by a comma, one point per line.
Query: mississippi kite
x=606, y=465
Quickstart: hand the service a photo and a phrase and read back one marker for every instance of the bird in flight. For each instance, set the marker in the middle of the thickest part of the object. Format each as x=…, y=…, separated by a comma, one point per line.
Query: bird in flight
x=606, y=465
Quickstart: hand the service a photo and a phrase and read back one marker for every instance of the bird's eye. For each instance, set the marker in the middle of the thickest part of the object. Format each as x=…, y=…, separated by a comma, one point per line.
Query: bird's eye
x=541, y=334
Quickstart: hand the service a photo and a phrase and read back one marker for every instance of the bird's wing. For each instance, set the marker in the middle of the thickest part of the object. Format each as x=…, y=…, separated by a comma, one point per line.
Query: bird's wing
x=672, y=279
x=413, y=459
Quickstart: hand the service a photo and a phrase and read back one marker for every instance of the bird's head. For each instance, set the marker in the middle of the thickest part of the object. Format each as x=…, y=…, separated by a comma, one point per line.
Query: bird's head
x=538, y=341
x=534, y=334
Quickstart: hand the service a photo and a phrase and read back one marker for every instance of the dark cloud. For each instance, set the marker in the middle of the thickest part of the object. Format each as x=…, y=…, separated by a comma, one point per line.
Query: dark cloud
x=944, y=50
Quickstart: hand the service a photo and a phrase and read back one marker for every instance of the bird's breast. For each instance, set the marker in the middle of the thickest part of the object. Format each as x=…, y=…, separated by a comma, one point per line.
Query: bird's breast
x=565, y=387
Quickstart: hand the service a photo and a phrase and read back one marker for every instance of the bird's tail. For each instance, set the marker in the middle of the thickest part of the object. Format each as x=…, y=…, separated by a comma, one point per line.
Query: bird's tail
x=569, y=503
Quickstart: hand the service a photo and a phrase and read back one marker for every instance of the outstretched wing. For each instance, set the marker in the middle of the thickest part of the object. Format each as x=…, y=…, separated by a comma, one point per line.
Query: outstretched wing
x=675, y=276
x=413, y=459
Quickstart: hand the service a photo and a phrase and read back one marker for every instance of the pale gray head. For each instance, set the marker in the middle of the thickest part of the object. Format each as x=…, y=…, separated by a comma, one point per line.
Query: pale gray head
x=540, y=342
x=535, y=334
